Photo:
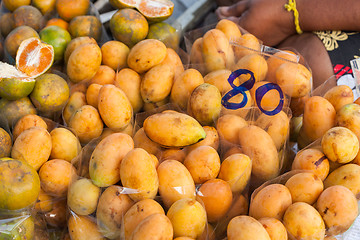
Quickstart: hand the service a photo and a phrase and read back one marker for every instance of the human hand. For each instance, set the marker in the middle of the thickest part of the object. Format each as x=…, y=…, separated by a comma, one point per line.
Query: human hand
x=268, y=20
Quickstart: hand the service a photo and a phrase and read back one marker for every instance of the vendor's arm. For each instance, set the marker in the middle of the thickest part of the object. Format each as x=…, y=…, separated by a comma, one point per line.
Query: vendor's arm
x=272, y=23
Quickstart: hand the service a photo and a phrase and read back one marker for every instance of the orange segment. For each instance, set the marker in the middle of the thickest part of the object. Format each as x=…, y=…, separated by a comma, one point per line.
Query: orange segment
x=34, y=57
x=156, y=10
x=123, y=3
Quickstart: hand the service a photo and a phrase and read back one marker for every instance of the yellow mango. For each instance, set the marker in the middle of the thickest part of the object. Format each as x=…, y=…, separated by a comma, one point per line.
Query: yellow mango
x=173, y=129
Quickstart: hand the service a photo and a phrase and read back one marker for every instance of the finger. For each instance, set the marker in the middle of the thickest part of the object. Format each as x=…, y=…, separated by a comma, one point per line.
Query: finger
x=234, y=10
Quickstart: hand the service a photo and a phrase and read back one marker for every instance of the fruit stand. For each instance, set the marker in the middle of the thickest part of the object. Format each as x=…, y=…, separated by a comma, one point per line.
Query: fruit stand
x=134, y=123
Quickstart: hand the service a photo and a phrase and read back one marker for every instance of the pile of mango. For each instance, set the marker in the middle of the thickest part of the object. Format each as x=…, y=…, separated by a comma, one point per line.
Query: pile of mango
x=130, y=137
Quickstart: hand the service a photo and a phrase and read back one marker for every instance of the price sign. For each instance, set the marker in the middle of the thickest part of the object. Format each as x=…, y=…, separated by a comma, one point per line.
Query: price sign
x=246, y=86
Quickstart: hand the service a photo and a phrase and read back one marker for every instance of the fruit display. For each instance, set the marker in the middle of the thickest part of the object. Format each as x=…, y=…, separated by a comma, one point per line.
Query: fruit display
x=122, y=134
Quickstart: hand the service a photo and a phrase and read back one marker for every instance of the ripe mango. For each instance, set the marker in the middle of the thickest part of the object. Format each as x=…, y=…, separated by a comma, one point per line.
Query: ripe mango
x=173, y=129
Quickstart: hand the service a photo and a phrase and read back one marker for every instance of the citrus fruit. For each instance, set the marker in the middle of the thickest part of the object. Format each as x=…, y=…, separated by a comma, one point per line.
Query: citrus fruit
x=166, y=33
x=34, y=57
x=16, y=88
x=156, y=10
x=6, y=23
x=11, y=5
x=20, y=185
x=68, y=9
x=50, y=93
x=58, y=38
x=13, y=83
x=129, y=26
x=85, y=26
x=17, y=228
x=58, y=22
x=14, y=110
x=45, y=6
x=16, y=36
x=5, y=143
x=119, y=4
x=29, y=16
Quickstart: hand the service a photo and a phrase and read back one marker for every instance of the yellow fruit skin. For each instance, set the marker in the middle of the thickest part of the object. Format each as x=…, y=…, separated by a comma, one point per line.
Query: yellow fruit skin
x=262, y=150
x=348, y=176
x=303, y=221
x=20, y=185
x=129, y=81
x=157, y=83
x=114, y=107
x=274, y=228
x=339, y=96
x=50, y=93
x=173, y=129
x=319, y=116
x=216, y=51
x=74, y=43
x=277, y=126
x=183, y=86
x=104, y=165
x=236, y=170
x=75, y=101
x=55, y=176
x=83, y=227
x=84, y=62
x=205, y=104
x=338, y=207
x=83, y=196
x=340, y=144
x=270, y=201
x=138, y=172
x=246, y=227
x=173, y=175
x=157, y=226
x=5, y=143
x=188, y=217
x=111, y=201
x=146, y=54
x=33, y=146
x=86, y=123
x=136, y=213
x=305, y=187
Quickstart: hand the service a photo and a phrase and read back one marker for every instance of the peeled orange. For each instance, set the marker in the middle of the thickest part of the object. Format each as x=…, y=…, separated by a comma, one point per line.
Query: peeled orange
x=156, y=10
x=34, y=57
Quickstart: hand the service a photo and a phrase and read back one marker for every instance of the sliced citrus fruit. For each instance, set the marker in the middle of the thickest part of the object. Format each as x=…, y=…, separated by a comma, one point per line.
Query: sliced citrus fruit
x=13, y=83
x=34, y=57
x=123, y=3
x=156, y=10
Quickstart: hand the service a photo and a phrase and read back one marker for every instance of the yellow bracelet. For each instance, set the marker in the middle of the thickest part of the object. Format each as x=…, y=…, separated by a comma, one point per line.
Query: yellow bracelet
x=291, y=6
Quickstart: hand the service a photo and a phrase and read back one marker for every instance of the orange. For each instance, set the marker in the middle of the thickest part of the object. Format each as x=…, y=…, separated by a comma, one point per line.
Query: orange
x=129, y=26
x=16, y=36
x=58, y=22
x=5, y=143
x=68, y=9
x=85, y=26
x=156, y=10
x=29, y=16
x=6, y=23
x=34, y=57
x=123, y=3
x=166, y=33
x=14, y=4
x=20, y=185
x=45, y=6
x=58, y=38
x=50, y=93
